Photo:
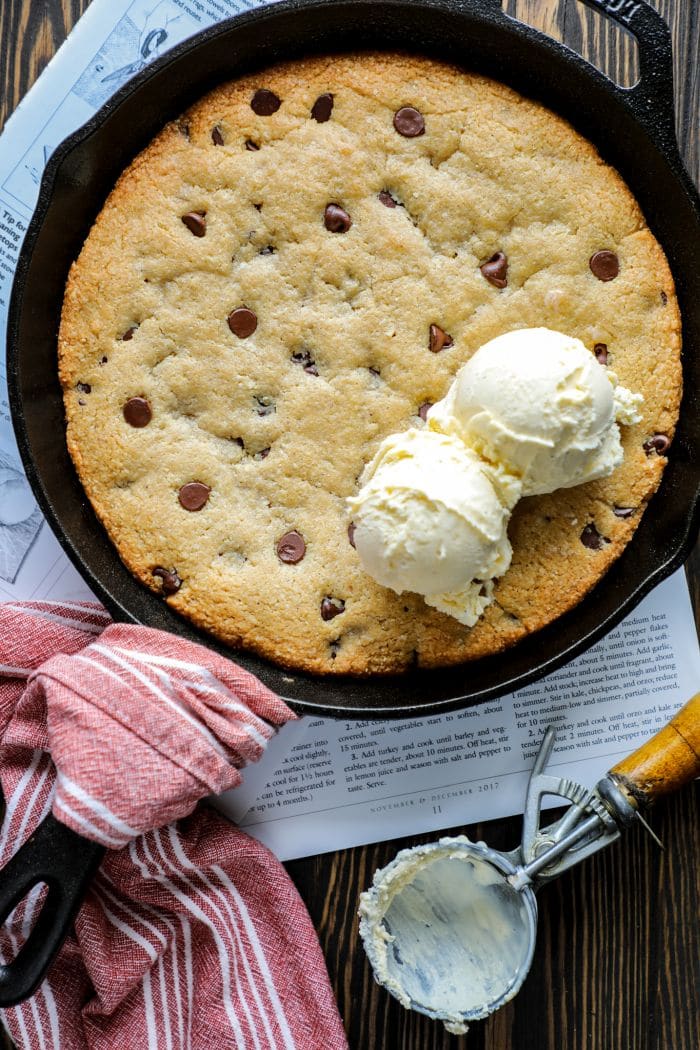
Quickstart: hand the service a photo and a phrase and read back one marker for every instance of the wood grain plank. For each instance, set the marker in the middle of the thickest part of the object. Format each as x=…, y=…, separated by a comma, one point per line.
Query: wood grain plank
x=684, y=21
x=600, y=40
x=30, y=34
x=617, y=965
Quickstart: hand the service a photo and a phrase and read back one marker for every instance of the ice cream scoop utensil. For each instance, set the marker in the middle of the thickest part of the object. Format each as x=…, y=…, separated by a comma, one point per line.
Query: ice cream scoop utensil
x=450, y=927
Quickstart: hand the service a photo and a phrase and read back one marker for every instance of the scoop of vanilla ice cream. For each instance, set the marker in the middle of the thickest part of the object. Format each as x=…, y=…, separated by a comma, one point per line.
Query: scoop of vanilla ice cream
x=536, y=405
x=428, y=519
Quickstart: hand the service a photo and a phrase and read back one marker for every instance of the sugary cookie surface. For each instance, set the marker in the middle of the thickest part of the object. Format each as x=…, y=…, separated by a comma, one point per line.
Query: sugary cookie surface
x=296, y=269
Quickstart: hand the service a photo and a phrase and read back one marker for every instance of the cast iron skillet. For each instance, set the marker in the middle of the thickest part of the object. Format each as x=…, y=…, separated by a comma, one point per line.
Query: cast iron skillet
x=634, y=130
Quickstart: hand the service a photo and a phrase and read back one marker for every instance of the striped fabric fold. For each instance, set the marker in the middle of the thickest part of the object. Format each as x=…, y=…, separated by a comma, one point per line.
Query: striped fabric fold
x=192, y=935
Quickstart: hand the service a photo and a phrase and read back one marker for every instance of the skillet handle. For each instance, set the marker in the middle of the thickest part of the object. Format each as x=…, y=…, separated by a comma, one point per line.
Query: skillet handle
x=66, y=862
x=652, y=97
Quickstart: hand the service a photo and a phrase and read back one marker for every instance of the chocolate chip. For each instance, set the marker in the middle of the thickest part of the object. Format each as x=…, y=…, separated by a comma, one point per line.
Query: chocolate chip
x=424, y=409
x=334, y=647
x=216, y=136
x=304, y=358
x=623, y=512
x=495, y=270
x=301, y=357
x=242, y=322
x=332, y=607
x=601, y=352
x=252, y=147
x=194, y=495
x=664, y=298
x=266, y=405
x=591, y=538
x=262, y=454
x=351, y=533
x=103, y=360
x=438, y=339
x=375, y=372
x=239, y=441
x=85, y=388
x=291, y=547
x=195, y=222
x=322, y=108
x=409, y=122
x=258, y=207
x=129, y=333
x=387, y=200
x=604, y=265
x=265, y=102
x=336, y=219
x=81, y=402
x=267, y=250
x=170, y=579
x=137, y=412
x=659, y=443
x=183, y=126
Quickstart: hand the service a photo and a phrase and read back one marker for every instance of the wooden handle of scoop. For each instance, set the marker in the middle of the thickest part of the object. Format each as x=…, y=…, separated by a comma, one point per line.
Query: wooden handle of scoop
x=667, y=761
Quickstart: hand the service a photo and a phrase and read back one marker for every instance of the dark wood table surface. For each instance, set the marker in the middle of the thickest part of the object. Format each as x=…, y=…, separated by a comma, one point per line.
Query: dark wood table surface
x=617, y=965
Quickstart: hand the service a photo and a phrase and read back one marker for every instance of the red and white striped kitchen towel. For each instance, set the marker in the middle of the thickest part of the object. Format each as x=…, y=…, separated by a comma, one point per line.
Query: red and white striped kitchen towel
x=192, y=935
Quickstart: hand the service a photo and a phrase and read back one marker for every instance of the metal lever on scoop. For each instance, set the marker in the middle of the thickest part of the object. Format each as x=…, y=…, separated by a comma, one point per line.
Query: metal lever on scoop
x=586, y=827
x=595, y=818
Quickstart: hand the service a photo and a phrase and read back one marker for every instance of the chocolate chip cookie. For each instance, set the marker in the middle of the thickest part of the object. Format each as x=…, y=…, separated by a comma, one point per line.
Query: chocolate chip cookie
x=297, y=268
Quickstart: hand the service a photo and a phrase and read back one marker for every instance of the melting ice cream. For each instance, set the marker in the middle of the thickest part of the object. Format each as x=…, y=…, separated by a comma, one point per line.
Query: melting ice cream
x=532, y=411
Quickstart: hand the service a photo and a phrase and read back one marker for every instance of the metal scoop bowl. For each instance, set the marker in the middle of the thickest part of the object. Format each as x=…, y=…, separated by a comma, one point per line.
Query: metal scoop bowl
x=450, y=928
x=454, y=940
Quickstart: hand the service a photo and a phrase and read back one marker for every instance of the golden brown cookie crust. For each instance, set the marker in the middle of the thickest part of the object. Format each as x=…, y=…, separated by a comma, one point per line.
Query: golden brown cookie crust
x=491, y=172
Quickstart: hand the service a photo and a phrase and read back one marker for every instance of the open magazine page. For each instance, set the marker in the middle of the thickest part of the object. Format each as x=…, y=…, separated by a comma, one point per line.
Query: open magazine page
x=323, y=784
